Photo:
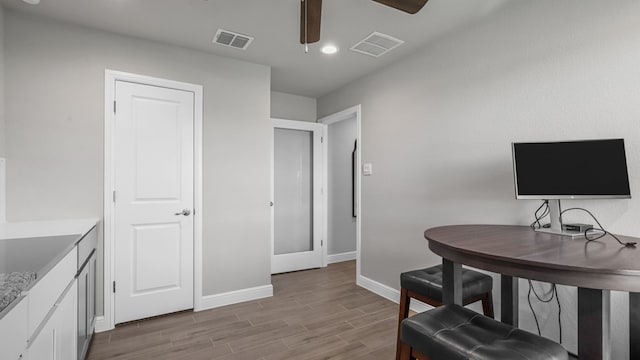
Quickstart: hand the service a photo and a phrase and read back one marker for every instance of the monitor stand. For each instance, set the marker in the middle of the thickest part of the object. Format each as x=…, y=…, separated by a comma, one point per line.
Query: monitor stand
x=555, y=209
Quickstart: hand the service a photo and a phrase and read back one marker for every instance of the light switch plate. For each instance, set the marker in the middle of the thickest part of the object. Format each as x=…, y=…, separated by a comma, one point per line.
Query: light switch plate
x=367, y=169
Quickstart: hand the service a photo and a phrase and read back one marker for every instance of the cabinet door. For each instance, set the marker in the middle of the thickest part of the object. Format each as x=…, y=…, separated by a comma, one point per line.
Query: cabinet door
x=66, y=323
x=57, y=339
x=47, y=291
x=91, y=295
x=83, y=288
x=43, y=346
x=13, y=332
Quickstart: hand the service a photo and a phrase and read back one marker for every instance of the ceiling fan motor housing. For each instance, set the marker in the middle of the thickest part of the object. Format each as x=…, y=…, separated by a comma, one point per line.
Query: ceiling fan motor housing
x=310, y=19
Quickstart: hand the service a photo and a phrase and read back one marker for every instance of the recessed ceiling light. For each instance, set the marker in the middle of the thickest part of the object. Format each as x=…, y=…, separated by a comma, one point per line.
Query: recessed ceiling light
x=329, y=49
x=32, y=2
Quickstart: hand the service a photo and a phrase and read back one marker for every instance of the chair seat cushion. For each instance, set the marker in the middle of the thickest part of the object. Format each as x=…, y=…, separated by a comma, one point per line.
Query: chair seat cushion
x=452, y=332
x=428, y=282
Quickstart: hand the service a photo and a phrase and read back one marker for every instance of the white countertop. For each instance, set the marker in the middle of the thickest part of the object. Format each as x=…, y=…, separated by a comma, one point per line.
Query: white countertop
x=29, y=229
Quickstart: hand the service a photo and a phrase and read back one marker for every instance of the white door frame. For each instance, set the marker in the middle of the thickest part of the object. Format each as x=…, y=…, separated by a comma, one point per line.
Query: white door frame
x=107, y=322
x=328, y=120
x=319, y=210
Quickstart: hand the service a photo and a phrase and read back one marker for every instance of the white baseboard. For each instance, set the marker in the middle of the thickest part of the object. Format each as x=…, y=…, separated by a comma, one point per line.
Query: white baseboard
x=234, y=297
x=101, y=324
x=390, y=293
x=336, y=258
x=213, y=301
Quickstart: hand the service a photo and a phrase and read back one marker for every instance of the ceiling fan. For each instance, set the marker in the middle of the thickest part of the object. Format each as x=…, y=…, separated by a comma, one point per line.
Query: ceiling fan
x=311, y=11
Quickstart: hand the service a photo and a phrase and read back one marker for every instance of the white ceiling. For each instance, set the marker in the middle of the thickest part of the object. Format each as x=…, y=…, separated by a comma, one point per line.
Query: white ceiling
x=275, y=26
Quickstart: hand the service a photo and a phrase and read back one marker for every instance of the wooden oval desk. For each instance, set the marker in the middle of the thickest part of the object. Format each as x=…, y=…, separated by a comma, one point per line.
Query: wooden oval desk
x=518, y=251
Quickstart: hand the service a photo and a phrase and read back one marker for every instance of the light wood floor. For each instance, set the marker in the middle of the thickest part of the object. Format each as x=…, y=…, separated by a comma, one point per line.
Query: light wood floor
x=314, y=314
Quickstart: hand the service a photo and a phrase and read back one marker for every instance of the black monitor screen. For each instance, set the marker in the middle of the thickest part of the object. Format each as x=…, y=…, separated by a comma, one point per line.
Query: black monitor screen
x=571, y=169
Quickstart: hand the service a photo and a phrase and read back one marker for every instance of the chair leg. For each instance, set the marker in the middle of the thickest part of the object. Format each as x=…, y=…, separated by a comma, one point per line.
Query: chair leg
x=405, y=352
x=403, y=313
x=487, y=305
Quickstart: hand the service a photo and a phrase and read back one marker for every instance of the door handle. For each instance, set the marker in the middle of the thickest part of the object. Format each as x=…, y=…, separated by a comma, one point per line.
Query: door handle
x=185, y=212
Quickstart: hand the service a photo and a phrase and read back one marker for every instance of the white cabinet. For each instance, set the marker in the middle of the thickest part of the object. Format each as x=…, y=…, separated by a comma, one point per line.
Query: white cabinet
x=86, y=291
x=44, y=294
x=52, y=314
x=56, y=340
x=86, y=304
x=43, y=323
x=13, y=332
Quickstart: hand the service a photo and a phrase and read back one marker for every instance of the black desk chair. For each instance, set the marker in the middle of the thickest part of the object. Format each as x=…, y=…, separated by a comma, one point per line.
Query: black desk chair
x=426, y=285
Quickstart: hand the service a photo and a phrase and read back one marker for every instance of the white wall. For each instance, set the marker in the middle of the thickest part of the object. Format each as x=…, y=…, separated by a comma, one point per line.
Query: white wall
x=55, y=136
x=293, y=107
x=341, y=223
x=3, y=202
x=2, y=122
x=438, y=126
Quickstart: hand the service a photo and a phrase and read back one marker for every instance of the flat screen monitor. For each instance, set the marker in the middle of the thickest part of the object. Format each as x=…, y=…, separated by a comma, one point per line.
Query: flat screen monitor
x=586, y=169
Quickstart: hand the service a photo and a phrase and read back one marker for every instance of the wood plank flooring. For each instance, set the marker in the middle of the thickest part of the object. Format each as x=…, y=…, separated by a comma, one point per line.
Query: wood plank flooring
x=314, y=314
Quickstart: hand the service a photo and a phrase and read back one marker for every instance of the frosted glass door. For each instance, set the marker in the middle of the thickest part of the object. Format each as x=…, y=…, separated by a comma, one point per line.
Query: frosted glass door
x=296, y=195
x=293, y=174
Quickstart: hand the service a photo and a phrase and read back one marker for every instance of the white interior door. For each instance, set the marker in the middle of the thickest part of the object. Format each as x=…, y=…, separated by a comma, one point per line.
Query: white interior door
x=153, y=163
x=297, y=196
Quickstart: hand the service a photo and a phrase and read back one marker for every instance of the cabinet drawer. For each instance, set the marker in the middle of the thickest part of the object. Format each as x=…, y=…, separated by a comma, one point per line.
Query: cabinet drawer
x=47, y=290
x=13, y=332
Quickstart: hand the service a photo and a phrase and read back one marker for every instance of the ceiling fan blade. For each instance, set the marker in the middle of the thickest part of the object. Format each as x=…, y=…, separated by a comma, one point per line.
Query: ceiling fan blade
x=410, y=6
x=310, y=13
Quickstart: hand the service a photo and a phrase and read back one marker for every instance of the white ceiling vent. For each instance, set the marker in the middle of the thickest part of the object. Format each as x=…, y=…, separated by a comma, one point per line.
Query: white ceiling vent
x=376, y=44
x=232, y=39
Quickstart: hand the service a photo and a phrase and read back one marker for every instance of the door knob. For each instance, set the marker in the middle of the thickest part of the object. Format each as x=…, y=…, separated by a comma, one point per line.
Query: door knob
x=185, y=212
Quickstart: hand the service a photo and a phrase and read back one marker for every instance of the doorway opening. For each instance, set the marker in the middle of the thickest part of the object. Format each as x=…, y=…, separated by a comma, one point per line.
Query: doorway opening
x=343, y=186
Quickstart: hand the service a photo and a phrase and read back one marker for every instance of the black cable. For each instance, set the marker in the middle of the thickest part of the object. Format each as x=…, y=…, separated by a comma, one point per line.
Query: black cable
x=535, y=317
x=544, y=214
x=590, y=237
x=544, y=204
x=553, y=294
x=536, y=223
x=551, y=290
x=535, y=215
x=559, y=312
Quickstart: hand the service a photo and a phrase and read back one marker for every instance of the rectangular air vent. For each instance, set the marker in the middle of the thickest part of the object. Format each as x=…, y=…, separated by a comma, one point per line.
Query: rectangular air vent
x=376, y=44
x=232, y=39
